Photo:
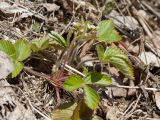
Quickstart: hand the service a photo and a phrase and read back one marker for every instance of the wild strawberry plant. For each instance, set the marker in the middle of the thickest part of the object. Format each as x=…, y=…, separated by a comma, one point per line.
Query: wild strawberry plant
x=105, y=34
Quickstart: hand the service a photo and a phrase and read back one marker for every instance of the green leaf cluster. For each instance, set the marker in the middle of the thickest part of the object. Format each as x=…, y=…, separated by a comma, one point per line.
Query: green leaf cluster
x=22, y=49
x=90, y=96
x=113, y=55
x=18, y=52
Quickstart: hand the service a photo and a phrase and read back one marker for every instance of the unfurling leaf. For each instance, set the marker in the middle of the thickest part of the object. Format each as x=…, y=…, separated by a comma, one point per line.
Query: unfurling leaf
x=57, y=39
x=91, y=97
x=106, y=32
x=73, y=82
x=98, y=79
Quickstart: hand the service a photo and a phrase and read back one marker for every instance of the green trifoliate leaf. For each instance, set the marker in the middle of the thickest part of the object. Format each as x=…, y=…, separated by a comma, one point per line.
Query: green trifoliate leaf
x=23, y=50
x=91, y=97
x=57, y=39
x=73, y=82
x=106, y=32
x=18, y=66
x=98, y=79
x=8, y=48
